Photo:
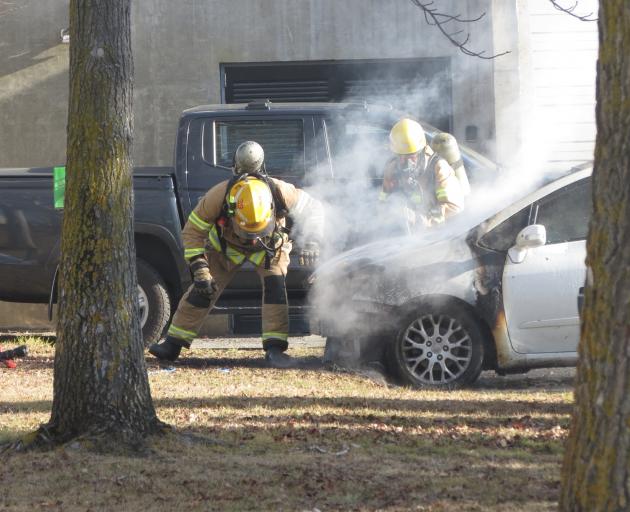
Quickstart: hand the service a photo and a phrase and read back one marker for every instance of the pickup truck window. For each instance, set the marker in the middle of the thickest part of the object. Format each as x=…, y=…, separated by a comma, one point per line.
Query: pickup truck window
x=355, y=143
x=282, y=140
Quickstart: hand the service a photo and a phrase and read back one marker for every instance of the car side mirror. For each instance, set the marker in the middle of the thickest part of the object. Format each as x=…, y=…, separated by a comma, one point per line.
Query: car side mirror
x=529, y=237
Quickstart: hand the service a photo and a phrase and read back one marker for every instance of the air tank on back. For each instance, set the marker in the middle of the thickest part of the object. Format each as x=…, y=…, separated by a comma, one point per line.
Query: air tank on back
x=446, y=146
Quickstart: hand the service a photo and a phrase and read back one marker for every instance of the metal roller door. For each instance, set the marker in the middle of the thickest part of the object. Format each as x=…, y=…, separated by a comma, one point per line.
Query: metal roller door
x=421, y=87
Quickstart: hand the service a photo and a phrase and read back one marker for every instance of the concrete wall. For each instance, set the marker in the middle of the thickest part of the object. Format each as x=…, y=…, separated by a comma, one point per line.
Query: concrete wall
x=178, y=47
x=33, y=83
x=512, y=77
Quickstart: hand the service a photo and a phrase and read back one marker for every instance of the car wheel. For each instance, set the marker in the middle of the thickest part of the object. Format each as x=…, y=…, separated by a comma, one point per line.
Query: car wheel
x=155, y=304
x=438, y=346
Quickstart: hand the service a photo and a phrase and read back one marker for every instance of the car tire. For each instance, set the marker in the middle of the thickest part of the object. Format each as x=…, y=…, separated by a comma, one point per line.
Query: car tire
x=439, y=345
x=155, y=303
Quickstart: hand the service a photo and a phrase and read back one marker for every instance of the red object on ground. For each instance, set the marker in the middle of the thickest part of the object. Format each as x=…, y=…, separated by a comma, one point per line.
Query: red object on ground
x=9, y=363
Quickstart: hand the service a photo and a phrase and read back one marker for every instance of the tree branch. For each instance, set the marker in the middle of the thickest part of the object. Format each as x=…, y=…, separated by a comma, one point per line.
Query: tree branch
x=571, y=11
x=439, y=19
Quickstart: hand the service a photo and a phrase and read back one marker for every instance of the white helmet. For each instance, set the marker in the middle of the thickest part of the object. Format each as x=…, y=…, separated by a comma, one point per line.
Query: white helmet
x=248, y=158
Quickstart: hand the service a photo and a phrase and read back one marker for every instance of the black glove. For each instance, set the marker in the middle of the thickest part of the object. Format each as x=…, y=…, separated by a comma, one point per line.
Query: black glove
x=309, y=255
x=206, y=288
x=204, y=285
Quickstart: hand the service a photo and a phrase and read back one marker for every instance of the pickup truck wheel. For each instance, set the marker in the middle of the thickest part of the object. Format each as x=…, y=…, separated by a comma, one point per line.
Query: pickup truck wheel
x=437, y=346
x=155, y=303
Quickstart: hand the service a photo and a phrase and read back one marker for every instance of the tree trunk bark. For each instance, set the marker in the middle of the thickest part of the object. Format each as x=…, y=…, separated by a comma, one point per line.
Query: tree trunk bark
x=100, y=379
x=596, y=473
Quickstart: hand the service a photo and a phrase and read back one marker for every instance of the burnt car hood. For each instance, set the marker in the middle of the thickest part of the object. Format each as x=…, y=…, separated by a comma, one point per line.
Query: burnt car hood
x=379, y=277
x=448, y=244
x=422, y=248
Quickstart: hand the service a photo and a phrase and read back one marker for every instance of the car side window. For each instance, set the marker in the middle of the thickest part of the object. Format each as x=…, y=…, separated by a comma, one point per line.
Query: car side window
x=566, y=212
x=503, y=236
x=282, y=141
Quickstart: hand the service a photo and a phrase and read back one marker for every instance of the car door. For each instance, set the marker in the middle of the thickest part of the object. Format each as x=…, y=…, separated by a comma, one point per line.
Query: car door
x=30, y=229
x=539, y=292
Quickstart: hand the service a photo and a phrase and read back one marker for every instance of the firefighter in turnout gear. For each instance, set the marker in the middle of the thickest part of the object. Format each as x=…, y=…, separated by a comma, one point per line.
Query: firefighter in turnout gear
x=419, y=176
x=238, y=221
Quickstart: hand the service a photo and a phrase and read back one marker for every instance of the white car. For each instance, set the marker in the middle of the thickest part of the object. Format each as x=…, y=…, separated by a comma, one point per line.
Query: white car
x=440, y=307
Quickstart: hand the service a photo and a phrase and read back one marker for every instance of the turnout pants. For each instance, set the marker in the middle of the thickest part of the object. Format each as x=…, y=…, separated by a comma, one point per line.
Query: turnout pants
x=192, y=310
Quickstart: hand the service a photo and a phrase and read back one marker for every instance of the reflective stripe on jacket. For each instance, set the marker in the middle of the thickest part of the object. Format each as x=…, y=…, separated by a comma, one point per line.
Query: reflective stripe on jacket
x=234, y=255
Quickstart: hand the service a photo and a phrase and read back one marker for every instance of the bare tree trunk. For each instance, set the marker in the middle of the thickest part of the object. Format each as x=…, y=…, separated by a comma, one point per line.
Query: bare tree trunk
x=596, y=473
x=100, y=380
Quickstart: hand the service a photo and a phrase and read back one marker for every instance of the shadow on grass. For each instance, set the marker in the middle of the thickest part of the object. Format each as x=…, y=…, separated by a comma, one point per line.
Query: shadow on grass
x=433, y=408
x=448, y=408
x=293, y=469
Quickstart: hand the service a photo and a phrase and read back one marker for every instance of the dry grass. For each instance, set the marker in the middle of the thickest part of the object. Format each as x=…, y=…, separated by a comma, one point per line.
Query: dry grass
x=311, y=439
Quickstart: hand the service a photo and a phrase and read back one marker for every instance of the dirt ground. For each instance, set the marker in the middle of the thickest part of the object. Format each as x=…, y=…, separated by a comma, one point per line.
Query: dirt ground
x=252, y=438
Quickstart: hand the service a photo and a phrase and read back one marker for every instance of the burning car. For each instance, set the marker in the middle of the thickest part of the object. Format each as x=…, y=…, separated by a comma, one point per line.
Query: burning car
x=489, y=290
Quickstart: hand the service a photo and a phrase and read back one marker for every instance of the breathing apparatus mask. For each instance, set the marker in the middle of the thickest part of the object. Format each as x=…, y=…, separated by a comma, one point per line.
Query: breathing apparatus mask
x=411, y=168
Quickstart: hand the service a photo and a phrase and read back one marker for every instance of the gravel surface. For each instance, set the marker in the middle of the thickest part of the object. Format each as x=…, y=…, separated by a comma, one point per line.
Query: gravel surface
x=254, y=342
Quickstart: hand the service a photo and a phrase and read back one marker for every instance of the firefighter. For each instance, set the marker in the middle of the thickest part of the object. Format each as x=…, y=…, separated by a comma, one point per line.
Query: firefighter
x=426, y=182
x=238, y=221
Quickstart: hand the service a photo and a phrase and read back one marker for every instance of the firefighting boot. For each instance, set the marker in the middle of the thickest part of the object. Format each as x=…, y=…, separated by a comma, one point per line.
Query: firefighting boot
x=277, y=358
x=168, y=350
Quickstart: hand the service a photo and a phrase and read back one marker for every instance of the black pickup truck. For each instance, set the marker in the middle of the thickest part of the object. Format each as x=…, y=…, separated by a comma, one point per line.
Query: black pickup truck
x=304, y=145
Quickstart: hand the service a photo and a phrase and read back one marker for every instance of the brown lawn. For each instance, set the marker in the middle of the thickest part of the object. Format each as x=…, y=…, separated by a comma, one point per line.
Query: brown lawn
x=253, y=438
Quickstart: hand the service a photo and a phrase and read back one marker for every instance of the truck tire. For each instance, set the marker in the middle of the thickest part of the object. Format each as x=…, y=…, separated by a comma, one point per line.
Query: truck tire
x=155, y=303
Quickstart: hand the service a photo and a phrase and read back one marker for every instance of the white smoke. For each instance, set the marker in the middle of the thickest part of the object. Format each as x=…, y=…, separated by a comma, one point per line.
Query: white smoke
x=354, y=215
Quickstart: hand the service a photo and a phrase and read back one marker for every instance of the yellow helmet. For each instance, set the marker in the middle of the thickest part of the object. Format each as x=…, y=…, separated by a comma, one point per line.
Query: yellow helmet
x=407, y=137
x=252, y=204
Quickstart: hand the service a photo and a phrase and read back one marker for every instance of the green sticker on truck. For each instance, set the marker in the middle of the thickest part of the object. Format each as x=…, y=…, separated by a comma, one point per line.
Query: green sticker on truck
x=59, y=187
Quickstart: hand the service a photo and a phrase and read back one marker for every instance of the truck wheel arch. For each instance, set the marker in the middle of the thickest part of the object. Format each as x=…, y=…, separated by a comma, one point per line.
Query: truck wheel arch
x=159, y=269
x=161, y=257
x=153, y=290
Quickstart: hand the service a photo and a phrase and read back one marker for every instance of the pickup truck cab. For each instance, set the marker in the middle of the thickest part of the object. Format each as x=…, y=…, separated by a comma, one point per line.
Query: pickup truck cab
x=305, y=144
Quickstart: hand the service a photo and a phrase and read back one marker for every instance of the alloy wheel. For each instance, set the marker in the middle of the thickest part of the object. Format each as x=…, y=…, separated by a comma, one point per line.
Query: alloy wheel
x=436, y=349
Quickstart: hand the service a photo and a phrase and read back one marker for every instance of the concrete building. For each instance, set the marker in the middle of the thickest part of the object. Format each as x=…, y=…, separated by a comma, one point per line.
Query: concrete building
x=536, y=101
